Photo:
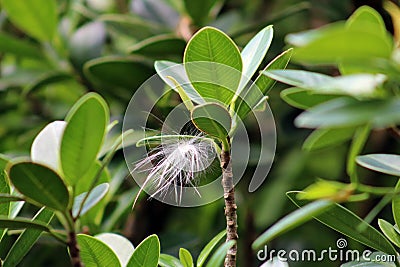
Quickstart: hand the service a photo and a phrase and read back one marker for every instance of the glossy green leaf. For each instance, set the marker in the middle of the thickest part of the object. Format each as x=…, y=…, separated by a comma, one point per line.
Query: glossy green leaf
x=205, y=252
x=161, y=46
x=323, y=138
x=40, y=185
x=385, y=163
x=347, y=223
x=304, y=98
x=27, y=239
x=343, y=112
x=219, y=255
x=185, y=258
x=46, y=146
x=97, y=194
x=83, y=136
x=357, y=85
x=212, y=119
x=178, y=72
x=396, y=205
x=253, y=54
x=10, y=44
x=37, y=18
x=249, y=99
x=389, y=232
x=147, y=253
x=22, y=223
x=169, y=261
x=121, y=246
x=114, y=71
x=199, y=11
x=94, y=253
x=219, y=79
x=293, y=220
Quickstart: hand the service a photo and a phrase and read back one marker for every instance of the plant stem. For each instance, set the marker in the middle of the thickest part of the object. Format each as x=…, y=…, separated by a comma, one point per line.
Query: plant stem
x=230, y=207
x=74, y=250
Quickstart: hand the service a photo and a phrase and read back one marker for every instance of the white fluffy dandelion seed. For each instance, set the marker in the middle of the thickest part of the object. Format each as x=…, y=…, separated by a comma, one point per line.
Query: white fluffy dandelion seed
x=177, y=163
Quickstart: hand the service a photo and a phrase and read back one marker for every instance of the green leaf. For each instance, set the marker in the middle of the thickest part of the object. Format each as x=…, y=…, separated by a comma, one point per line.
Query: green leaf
x=47, y=78
x=5, y=191
x=199, y=11
x=40, y=185
x=94, y=197
x=22, y=223
x=219, y=255
x=177, y=71
x=147, y=253
x=293, y=220
x=10, y=44
x=347, y=223
x=37, y=18
x=253, y=54
x=218, y=76
x=250, y=98
x=169, y=261
x=212, y=119
x=208, y=248
x=83, y=136
x=385, y=163
x=6, y=198
x=357, y=85
x=185, y=257
x=396, y=205
x=389, y=232
x=94, y=253
x=86, y=181
x=367, y=19
x=46, y=146
x=160, y=46
x=343, y=112
x=304, y=98
x=323, y=138
x=27, y=239
x=121, y=246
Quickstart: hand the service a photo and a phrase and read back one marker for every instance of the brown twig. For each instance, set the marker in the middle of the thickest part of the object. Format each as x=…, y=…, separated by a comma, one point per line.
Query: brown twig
x=230, y=207
x=74, y=250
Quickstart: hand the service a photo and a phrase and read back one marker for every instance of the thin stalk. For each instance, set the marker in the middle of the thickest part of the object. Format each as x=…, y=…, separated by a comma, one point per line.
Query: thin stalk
x=359, y=140
x=230, y=205
x=74, y=250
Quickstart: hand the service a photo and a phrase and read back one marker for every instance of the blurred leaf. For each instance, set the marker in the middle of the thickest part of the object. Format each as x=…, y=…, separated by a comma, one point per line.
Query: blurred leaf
x=169, y=261
x=4, y=190
x=83, y=136
x=186, y=258
x=293, y=220
x=327, y=189
x=22, y=223
x=37, y=18
x=94, y=197
x=199, y=11
x=7, y=198
x=95, y=253
x=160, y=46
x=87, y=42
x=86, y=181
x=40, y=185
x=347, y=223
x=394, y=12
x=324, y=138
x=208, y=248
x=367, y=19
x=47, y=78
x=389, y=232
x=146, y=253
x=396, y=205
x=304, y=98
x=212, y=119
x=178, y=72
x=343, y=112
x=253, y=54
x=21, y=48
x=121, y=246
x=46, y=146
x=27, y=239
x=123, y=206
x=385, y=163
x=115, y=71
x=219, y=79
x=159, y=11
x=219, y=255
